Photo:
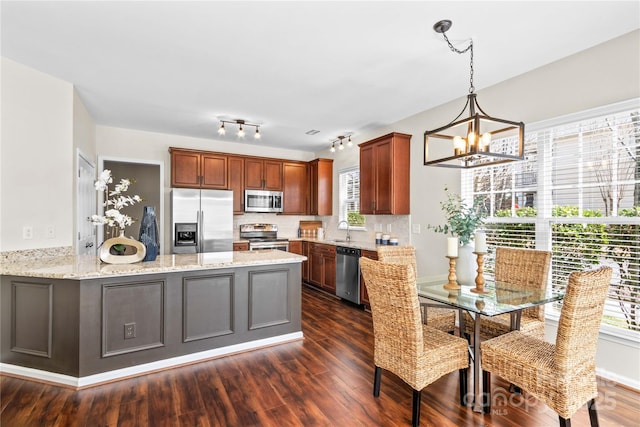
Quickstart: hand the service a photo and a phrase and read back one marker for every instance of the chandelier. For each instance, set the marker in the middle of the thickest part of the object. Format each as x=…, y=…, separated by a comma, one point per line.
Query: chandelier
x=341, y=145
x=476, y=139
x=241, y=133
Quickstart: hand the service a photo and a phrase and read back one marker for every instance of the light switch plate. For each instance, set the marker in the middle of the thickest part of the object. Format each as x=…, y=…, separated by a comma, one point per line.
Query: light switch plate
x=415, y=228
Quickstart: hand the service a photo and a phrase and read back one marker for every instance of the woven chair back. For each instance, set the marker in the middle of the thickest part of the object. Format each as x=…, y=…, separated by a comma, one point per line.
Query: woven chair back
x=398, y=255
x=582, y=307
x=397, y=321
x=526, y=267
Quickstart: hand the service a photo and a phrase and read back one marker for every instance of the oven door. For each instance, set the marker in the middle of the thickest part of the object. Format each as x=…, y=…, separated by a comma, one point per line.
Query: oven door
x=260, y=246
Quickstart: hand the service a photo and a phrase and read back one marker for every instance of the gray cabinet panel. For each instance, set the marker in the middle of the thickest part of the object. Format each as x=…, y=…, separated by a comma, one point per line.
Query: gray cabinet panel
x=269, y=298
x=31, y=320
x=132, y=317
x=208, y=306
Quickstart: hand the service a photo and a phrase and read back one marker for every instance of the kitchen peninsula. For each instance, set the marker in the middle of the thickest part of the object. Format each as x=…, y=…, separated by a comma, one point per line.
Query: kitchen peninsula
x=76, y=321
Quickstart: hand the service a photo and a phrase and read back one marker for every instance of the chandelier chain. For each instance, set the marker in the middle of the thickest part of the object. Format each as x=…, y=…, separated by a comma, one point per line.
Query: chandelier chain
x=469, y=48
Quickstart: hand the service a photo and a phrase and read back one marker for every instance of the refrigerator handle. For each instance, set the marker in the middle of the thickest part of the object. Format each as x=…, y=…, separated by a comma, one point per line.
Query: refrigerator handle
x=199, y=235
x=201, y=232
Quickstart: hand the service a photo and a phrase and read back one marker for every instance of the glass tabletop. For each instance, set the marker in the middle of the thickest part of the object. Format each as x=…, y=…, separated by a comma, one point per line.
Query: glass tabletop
x=500, y=297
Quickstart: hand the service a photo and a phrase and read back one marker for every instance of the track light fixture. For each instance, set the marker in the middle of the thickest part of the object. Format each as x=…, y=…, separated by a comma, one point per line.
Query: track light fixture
x=341, y=144
x=241, y=132
x=478, y=139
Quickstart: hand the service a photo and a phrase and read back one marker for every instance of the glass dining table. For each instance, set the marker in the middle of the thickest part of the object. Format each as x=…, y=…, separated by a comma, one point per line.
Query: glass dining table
x=499, y=298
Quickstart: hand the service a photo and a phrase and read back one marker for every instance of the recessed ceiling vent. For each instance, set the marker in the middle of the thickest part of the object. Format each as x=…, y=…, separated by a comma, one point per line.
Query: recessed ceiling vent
x=312, y=132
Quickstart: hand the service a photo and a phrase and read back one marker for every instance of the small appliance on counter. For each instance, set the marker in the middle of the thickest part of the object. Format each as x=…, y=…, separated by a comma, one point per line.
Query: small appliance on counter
x=201, y=221
x=263, y=236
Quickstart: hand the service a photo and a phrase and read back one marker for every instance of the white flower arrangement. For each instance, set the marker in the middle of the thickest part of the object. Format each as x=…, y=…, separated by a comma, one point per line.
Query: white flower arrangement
x=114, y=201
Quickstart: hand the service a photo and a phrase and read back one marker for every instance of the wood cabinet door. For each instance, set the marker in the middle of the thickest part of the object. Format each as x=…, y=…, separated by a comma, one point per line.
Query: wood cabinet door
x=253, y=174
x=367, y=180
x=305, y=264
x=214, y=171
x=316, y=268
x=313, y=188
x=241, y=246
x=295, y=247
x=329, y=273
x=295, y=188
x=185, y=169
x=383, y=180
x=272, y=175
x=321, y=187
x=235, y=167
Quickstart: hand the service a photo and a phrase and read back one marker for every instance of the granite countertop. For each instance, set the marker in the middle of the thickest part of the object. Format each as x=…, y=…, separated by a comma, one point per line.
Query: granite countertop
x=87, y=267
x=370, y=246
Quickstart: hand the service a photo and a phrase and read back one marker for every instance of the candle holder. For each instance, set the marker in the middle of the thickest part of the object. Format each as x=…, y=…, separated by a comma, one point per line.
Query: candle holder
x=453, y=280
x=479, y=289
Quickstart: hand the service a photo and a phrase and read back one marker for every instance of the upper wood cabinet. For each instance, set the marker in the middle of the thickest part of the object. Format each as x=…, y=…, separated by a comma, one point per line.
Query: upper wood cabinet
x=196, y=169
x=295, y=188
x=321, y=187
x=260, y=174
x=235, y=166
x=384, y=175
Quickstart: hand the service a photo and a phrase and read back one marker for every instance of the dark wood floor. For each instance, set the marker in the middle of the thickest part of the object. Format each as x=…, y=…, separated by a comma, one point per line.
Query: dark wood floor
x=324, y=380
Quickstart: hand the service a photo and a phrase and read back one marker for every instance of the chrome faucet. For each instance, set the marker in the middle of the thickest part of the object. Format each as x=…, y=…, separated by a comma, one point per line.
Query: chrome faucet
x=348, y=234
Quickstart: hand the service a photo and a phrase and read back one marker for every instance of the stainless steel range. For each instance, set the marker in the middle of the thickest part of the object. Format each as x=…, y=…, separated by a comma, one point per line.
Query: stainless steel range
x=263, y=236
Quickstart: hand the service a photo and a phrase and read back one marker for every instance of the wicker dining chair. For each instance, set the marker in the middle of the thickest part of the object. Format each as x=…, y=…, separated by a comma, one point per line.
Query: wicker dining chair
x=525, y=267
x=439, y=318
x=417, y=353
x=562, y=375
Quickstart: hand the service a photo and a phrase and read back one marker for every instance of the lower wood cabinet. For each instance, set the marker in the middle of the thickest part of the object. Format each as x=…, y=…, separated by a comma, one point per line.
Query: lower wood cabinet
x=295, y=247
x=364, y=296
x=241, y=246
x=306, y=251
x=322, y=266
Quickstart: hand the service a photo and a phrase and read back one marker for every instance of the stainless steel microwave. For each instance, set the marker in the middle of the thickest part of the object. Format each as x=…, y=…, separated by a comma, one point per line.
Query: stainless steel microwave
x=262, y=201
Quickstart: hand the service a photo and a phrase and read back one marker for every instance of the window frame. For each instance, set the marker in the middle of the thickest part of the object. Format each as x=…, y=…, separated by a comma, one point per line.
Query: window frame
x=544, y=221
x=342, y=200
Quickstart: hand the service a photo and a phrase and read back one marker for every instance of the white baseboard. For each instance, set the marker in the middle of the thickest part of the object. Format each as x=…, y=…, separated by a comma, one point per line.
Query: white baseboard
x=92, y=380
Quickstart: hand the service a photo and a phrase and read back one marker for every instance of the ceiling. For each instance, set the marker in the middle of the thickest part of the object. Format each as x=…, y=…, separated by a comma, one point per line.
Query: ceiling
x=337, y=67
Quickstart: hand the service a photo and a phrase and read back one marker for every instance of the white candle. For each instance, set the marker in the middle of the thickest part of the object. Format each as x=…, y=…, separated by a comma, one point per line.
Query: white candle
x=481, y=241
x=452, y=246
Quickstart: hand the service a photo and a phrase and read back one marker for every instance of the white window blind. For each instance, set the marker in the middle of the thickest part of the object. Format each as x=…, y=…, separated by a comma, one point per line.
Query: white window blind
x=349, y=197
x=577, y=194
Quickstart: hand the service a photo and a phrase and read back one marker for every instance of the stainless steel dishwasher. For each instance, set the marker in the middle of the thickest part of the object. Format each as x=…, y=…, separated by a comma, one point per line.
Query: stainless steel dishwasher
x=348, y=273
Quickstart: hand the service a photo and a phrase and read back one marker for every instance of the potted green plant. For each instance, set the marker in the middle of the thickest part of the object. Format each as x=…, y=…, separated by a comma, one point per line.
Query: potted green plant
x=462, y=222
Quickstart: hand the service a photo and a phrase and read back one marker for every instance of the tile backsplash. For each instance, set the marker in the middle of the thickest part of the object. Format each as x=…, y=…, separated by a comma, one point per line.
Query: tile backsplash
x=398, y=226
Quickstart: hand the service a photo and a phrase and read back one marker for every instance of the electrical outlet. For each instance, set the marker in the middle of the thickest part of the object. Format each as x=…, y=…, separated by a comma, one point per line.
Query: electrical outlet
x=51, y=232
x=415, y=228
x=378, y=227
x=389, y=228
x=27, y=232
x=129, y=330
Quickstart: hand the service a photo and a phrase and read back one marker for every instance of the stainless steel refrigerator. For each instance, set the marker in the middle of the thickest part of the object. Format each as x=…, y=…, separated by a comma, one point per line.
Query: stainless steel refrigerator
x=201, y=220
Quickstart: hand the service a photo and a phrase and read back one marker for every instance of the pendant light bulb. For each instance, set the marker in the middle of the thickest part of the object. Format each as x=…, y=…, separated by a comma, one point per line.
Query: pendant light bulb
x=486, y=140
x=221, y=130
x=240, y=132
x=341, y=146
x=349, y=143
x=333, y=147
x=257, y=134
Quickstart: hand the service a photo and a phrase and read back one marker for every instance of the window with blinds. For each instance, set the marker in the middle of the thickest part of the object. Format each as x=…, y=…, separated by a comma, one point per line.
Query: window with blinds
x=577, y=194
x=349, y=197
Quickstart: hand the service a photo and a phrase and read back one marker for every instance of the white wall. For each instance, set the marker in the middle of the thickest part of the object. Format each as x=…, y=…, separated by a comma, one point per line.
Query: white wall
x=37, y=158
